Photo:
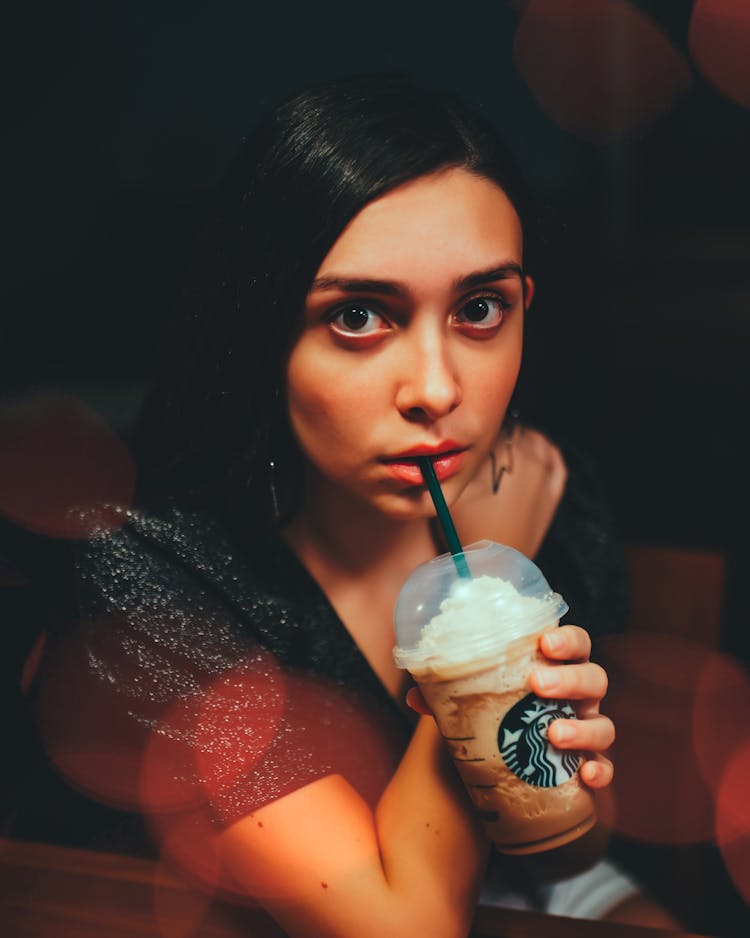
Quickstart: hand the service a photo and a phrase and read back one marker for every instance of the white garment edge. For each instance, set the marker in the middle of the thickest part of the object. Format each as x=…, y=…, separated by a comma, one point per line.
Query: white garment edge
x=587, y=895
x=591, y=894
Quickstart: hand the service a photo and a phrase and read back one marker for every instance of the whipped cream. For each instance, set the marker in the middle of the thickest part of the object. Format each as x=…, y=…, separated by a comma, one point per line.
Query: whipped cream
x=479, y=617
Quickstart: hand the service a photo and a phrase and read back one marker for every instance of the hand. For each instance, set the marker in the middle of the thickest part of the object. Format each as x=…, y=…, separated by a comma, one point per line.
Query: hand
x=578, y=679
x=583, y=681
x=416, y=701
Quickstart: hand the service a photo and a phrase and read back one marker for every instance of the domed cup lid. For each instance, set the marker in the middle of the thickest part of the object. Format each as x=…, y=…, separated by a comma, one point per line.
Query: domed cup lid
x=444, y=619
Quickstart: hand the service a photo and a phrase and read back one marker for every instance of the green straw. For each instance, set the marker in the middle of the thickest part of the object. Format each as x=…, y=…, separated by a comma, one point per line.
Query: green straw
x=444, y=517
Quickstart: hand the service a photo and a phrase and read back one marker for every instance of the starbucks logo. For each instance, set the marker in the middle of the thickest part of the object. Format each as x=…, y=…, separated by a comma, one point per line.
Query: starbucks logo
x=522, y=740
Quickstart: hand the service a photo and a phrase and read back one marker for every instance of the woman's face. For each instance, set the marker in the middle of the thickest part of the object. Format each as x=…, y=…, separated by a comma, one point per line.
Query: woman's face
x=411, y=343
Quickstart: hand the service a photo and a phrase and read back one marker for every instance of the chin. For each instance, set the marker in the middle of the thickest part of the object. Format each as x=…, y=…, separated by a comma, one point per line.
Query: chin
x=415, y=504
x=409, y=505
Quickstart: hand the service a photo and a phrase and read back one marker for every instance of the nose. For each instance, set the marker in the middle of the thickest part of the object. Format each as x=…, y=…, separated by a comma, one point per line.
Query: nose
x=429, y=387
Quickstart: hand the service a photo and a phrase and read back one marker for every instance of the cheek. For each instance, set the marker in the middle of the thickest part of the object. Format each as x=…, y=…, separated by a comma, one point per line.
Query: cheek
x=304, y=401
x=325, y=408
x=491, y=387
x=309, y=403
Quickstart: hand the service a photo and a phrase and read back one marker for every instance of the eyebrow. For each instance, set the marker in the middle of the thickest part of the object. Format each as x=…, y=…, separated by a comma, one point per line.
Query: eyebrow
x=504, y=271
x=501, y=272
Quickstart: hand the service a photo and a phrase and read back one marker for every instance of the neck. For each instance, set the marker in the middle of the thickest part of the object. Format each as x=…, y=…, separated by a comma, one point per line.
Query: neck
x=337, y=532
x=360, y=559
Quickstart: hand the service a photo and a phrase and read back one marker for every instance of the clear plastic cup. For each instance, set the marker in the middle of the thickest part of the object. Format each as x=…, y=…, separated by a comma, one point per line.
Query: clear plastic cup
x=470, y=644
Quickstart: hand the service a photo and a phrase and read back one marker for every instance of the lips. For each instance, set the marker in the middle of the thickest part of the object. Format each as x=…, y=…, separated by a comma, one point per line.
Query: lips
x=447, y=459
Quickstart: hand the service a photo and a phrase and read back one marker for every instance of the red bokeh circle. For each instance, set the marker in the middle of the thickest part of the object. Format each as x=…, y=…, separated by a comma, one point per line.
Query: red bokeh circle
x=601, y=69
x=64, y=472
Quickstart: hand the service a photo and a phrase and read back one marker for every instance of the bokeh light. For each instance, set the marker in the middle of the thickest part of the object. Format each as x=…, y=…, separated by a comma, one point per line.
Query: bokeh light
x=721, y=716
x=115, y=734
x=346, y=731
x=180, y=911
x=606, y=808
x=238, y=719
x=64, y=473
x=733, y=820
x=658, y=793
x=85, y=729
x=247, y=757
x=196, y=754
x=31, y=663
x=601, y=69
x=186, y=843
x=719, y=42
x=205, y=742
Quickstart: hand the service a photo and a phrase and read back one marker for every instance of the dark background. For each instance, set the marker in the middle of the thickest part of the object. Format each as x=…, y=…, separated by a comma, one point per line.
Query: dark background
x=119, y=118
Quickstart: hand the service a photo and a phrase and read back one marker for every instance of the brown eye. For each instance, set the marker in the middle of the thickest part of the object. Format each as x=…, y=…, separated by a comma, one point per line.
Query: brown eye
x=356, y=320
x=486, y=312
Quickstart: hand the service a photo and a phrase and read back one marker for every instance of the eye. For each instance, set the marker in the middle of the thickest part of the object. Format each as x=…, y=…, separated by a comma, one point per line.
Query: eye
x=356, y=320
x=482, y=312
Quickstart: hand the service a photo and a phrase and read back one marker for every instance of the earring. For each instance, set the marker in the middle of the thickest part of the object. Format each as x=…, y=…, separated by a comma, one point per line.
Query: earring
x=272, y=443
x=272, y=486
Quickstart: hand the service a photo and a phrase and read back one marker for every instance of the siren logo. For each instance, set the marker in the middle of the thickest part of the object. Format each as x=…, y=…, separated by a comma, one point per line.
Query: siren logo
x=522, y=740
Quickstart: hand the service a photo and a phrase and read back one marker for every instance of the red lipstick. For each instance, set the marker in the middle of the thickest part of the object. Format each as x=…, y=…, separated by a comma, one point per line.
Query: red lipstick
x=448, y=456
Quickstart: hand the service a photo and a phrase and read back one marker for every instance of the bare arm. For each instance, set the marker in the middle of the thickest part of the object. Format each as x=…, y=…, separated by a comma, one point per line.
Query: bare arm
x=324, y=864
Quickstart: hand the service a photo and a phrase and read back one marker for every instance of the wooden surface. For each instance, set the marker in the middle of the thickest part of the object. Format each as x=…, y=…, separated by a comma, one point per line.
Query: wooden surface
x=512, y=923
x=56, y=892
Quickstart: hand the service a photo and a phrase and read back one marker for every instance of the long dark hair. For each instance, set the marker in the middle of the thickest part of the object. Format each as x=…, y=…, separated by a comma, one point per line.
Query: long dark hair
x=216, y=417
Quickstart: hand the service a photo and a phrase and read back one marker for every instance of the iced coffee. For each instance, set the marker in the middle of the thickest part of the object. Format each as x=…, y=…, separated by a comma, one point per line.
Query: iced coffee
x=470, y=643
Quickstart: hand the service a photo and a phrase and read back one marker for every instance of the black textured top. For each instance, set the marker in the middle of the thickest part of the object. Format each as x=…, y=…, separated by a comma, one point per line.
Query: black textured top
x=200, y=669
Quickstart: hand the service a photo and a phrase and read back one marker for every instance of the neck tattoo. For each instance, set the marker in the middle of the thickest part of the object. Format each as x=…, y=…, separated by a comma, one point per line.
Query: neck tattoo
x=498, y=471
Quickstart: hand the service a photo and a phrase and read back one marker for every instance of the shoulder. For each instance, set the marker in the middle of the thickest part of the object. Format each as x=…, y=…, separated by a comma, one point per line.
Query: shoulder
x=544, y=495
x=188, y=661
x=149, y=566
x=582, y=554
x=150, y=548
x=151, y=623
x=183, y=578
x=166, y=531
x=517, y=491
x=191, y=581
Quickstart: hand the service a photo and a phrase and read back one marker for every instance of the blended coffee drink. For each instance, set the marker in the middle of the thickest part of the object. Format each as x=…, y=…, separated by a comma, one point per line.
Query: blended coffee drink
x=470, y=644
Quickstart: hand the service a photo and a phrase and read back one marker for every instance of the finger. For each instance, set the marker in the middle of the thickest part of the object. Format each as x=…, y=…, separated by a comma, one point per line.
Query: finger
x=585, y=709
x=598, y=772
x=568, y=643
x=570, y=681
x=416, y=701
x=594, y=735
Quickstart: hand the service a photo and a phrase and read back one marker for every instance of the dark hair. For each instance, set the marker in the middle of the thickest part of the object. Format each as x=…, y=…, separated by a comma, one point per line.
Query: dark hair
x=216, y=416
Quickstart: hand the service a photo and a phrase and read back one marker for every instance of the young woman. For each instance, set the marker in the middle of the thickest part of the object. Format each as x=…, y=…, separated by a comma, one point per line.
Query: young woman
x=358, y=300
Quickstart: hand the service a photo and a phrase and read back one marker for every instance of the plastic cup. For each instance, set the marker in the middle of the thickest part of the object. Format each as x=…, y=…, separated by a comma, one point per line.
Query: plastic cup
x=470, y=644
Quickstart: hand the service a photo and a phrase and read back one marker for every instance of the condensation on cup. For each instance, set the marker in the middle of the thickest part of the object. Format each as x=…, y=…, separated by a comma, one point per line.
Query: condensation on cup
x=470, y=643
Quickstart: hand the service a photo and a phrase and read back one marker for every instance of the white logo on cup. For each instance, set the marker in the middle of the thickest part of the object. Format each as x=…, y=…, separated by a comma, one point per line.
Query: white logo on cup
x=522, y=740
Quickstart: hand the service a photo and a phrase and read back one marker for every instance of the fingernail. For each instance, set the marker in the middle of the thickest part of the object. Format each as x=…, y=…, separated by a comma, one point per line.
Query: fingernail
x=546, y=680
x=554, y=641
x=564, y=733
x=590, y=771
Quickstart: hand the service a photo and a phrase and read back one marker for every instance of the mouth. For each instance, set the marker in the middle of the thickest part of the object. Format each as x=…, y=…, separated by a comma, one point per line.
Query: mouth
x=446, y=459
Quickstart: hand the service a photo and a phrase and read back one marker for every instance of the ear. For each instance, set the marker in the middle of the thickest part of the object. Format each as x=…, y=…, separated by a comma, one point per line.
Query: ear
x=528, y=292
